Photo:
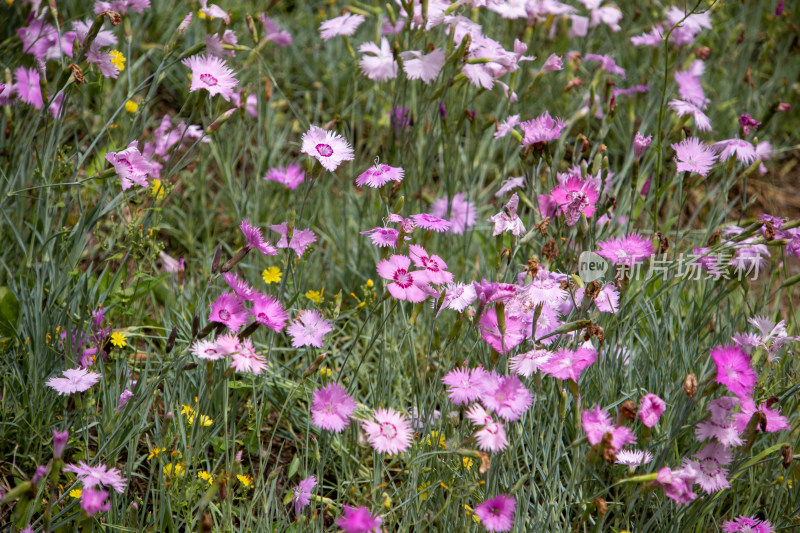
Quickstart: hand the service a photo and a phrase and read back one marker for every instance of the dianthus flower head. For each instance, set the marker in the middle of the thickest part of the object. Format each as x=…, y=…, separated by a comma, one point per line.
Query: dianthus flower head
x=27, y=86
x=301, y=238
x=274, y=33
x=774, y=420
x=308, y=329
x=541, y=291
x=92, y=476
x=497, y=514
x=347, y=24
x=507, y=220
x=462, y=212
x=358, y=520
x=302, y=493
x=505, y=395
x=212, y=74
x=269, y=312
x=734, y=370
x=502, y=342
x=383, y=237
x=425, y=67
x=747, y=524
x=255, y=240
x=744, y=151
x=575, y=196
x=94, y=501
x=747, y=122
x=528, y=363
x=597, y=422
x=329, y=148
x=291, y=176
x=707, y=467
x=405, y=285
x=433, y=265
x=457, y=296
x=627, y=250
x=378, y=63
x=247, y=360
x=430, y=222
x=651, y=407
x=687, y=108
x=720, y=425
x=131, y=166
x=332, y=408
x=379, y=175
x=607, y=63
x=677, y=485
x=242, y=289
x=390, y=433
x=633, y=458
x=640, y=144
x=568, y=364
x=541, y=129
x=74, y=380
x=227, y=309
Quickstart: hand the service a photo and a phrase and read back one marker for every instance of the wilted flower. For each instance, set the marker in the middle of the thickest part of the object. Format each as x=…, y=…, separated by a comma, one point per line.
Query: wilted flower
x=507, y=220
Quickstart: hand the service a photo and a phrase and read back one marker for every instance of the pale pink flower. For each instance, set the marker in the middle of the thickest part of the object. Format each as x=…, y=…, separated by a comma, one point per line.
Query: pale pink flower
x=74, y=380
x=575, y=196
x=291, y=175
x=677, y=485
x=212, y=74
x=744, y=151
x=332, y=408
x=93, y=501
x=425, y=67
x=462, y=212
x=707, y=469
x=27, y=86
x=552, y=64
x=720, y=424
x=507, y=220
x=433, y=265
x=247, y=360
x=379, y=175
x=347, y=24
x=382, y=237
x=652, y=38
x=301, y=238
x=775, y=421
x=687, y=108
x=528, y=363
x=464, y=384
x=640, y=144
x=99, y=475
x=541, y=291
x=633, y=458
x=378, y=63
x=747, y=524
x=308, y=329
x=329, y=148
x=542, y=129
x=506, y=127
x=274, y=33
x=430, y=222
x=390, y=433
x=206, y=349
x=131, y=166
x=458, y=296
x=490, y=332
x=607, y=63
x=509, y=185
x=214, y=11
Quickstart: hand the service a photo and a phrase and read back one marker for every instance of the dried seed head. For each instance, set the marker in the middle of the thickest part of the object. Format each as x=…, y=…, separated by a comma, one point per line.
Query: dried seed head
x=769, y=231
x=601, y=506
x=690, y=385
x=543, y=226
x=171, y=339
x=533, y=267
x=788, y=456
x=713, y=239
x=592, y=289
x=114, y=17
x=484, y=463
x=663, y=243
x=550, y=250
x=206, y=524
x=608, y=453
x=702, y=53
x=574, y=82
x=628, y=409
x=217, y=258
x=77, y=73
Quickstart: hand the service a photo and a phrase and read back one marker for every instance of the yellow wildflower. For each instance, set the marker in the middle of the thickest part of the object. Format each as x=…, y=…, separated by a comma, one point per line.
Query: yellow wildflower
x=175, y=470
x=247, y=481
x=118, y=339
x=436, y=436
x=387, y=501
x=271, y=275
x=325, y=372
x=467, y=462
x=155, y=452
x=76, y=493
x=117, y=59
x=158, y=189
x=131, y=106
x=205, y=476
x=423, y=491
x=316, y=296
x=369, y=284
x=201, y=15
x=187, y=410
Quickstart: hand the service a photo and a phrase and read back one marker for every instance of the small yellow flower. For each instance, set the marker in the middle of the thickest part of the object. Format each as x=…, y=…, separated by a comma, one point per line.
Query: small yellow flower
x=205, y=476
x=436, y=436
x=467, y=462
x=316, y=296
x=155, y=452
x=117, y=59
x=175, y=470
x=325, y=372
x=75, y=493
x=118, y=339
x=201, y=15
x=387, y=501
x=131, y=106
x=247, y=481
x=369, y=284
x=158, y=189
x=271, y=275
x=423, y=491
x=187, y=410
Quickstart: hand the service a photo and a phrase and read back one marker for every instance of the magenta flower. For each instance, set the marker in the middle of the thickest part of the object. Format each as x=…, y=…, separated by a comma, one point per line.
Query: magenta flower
x=379, y=175
x=347, y=24
x=464, y=384
x=382, y=237
x=247, y=360
x=651, y=407
x=627, y=250
x=720, y=425
x=744, y=151
x=425, y=67
x=597, y=422
x=677, y=485
x=269, y=312
x=274, y=33
x=358, y=520
x=497, y=514
x=640, y=144
x=491, y=334
x=302, y=493
x=747, y=524
x=507, y=220
x=291, y=175
x=227, y=309
x=528, y=363
x=332, y=408
x=100, y=475
x=94, y=501
x=734, y=370
x=430, y=222
x=308, y=329
x=124, y=398
x=462, y=213
x=687, y=108
x=255, y=240
x=74, y=380
x=542, y=129
x=574, y=197
x=505, y=395
x=405, y=285
x=488, y=292
x=212, y=74
x=329, y=148
x=775, y=421
x=27, y=86
x=390, y=433
x=568, y=364
x=707, y=470
x=214, y=46
x=433, y=265
x=378, y=62
x=747, y=122
x=131, y=166
x=242, y=289
x=301, y=239
x=607, y=63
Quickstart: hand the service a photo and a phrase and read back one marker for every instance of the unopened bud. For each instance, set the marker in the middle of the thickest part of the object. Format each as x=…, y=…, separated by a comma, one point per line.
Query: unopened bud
x=195, y=325
x=215, y=262
x=59, y=443
x=171, y=339
x=251, y=27
x=601, y=506
x=313, y=367
x=690, y=385
x=788, y=456
x=663, y=243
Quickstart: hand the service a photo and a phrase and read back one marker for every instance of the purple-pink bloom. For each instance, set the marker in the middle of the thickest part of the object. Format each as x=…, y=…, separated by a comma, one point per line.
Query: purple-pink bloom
x=329, y=148
x=652, y=38
x=124, y=398
x=405, y=285
x=300, y=238
x=121, y=6
x=627, y=250
x=430, y=222
x=492, y=435
x=242, y=289
x=269, y=312
x=505, y=395
x=507, y=220
x=358, y=520
x=302, y=493
x=60, y=439
x=131, y=166
x=551, y=64
x=308, y=329
x=274, y=33
x=382, y=237
x=509, y=185
x=94, y=501
x=734, y=370
x=744, y=151
x=74, y=380
x=212, y=74
x=677, y=485
x=458, y=296
x=92, y=476
x=720, y=425
x=747, y=524
x=542, y=129
x=640, y=144
x=606, y=62
x=228, y=310
x=569, y=364
x=347, y=24
x=506, y=127
x=633, y=458
x=747, y=123
x=462, y=213
x=541, y=290
x=689, y=88
x=291, y=175
x=497, y=514
x=379, y=175
x=651, y=407
x=464, y=384
x=425, y=67
x=214, y=11
x=775, y=421
x=433, y=265
x=378, y=62
x=687, y=108
x=488, y=292
x=255, y=240
x=499, y=341
x=707, y=470
x=332, y=408
x=575, y=196
x=390, y=433
x=597, y=422
x=27, y=86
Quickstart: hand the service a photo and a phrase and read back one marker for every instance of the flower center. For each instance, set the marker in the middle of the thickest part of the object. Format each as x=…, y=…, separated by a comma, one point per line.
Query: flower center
x=224, y=314
x=388, y=430
x=403, y=278
x=324, y=150
x=208, y=79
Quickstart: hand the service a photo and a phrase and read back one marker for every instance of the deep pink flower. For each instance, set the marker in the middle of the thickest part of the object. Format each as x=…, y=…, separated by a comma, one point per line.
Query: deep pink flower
x=121, y=6
x=60, y=439
x=27, y=86
x=212, y=74
x=651, y=407
x=404, y=285
x=677, y=485
x=747, y=122
x=734, y=370
x=433, y=265
x=242, y=289
x=74, y=380
x=255, y=240
x=462, y=213
x=227, y=309
x=347, y=24
x=744, y=151
x=747, y=524
x=274, y=33
x=575, y=196
x=269, y=312
x=358, y=520
x=301, y=238
x=497, y=514
x=94, y=501
x=92, y=476
x=290, y=176
x=687, y=108
x=378, y=63
x=775, y=421
x=597, y=422
x=507, y=220
x=464, y=384
x=425, y=67
x=308, y=329
x=430, y=222
x=379, y=175
x=390, y=433
x=542, y=129
x=382, y=237
x=329, y=148
x=247, y=360
x=131, y=166
x=627, y=250
x=491, y=334
x=707, y=470
x=302, y=493
x=488, y=292
x=332, y=408
x=569, y=364
x=505, y=395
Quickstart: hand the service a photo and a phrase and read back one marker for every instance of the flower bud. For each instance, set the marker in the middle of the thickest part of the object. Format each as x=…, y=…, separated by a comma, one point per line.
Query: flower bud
x=690, y=385
x=788, y=456
x=59, y=443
